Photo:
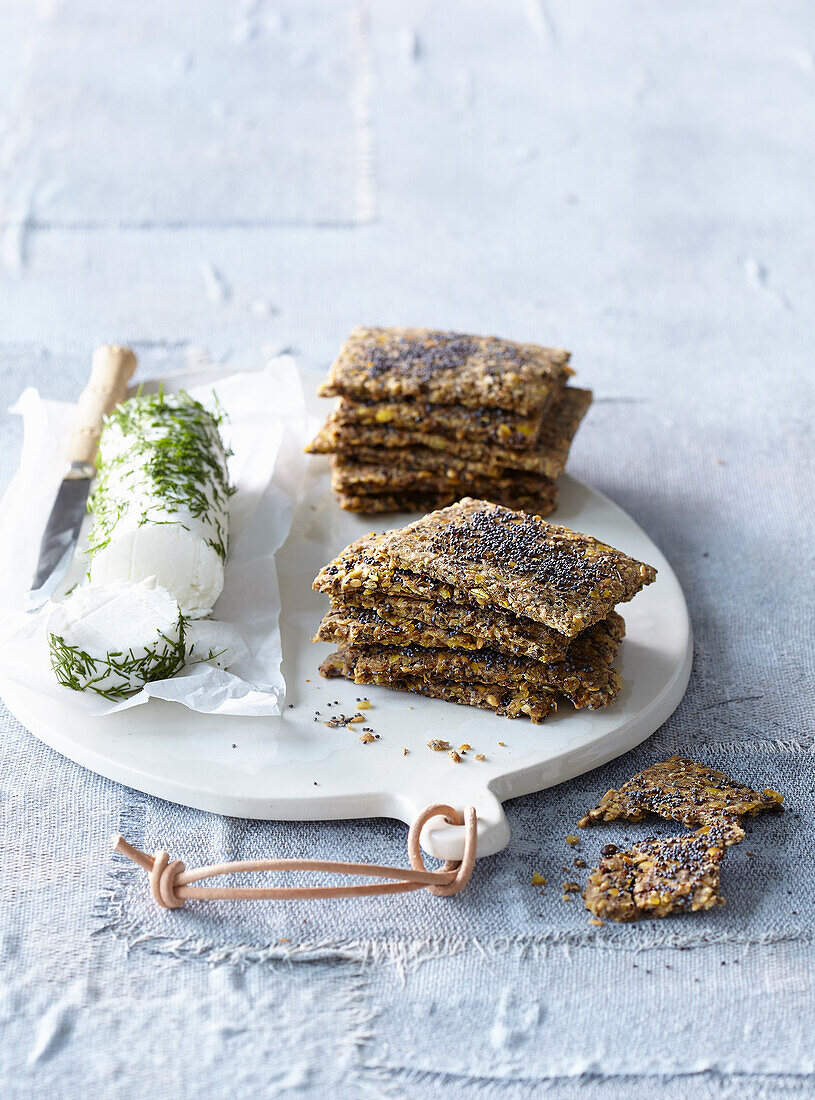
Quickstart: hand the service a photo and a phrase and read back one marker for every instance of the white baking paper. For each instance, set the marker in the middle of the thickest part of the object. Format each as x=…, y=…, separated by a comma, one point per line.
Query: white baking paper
x=265, y=428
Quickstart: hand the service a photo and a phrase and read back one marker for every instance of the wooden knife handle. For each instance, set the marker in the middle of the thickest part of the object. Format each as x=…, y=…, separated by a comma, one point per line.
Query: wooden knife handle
x=111, y=369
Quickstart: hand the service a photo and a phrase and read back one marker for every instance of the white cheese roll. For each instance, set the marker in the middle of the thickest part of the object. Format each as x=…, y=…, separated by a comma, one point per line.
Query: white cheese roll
x=161, y=500
x=113, y=640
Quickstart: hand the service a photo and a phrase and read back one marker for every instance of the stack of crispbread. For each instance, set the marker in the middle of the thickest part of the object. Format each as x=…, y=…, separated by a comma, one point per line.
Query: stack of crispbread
x=425, y=418
x=481, y=605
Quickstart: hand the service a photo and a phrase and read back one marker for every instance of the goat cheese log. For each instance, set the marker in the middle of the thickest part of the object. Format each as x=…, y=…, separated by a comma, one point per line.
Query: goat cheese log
x=115, y=639
x=160, y=504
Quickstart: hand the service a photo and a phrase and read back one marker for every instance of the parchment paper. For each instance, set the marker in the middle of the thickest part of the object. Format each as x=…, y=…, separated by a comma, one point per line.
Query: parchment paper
x=265, y=429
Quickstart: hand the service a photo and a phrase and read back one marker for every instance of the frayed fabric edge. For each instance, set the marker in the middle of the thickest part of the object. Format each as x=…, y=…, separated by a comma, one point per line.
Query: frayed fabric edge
x=403, y=954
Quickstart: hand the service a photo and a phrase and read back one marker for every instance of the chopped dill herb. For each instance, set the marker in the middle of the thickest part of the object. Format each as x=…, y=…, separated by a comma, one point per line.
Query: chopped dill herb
x=117, y=674
x=161, y=459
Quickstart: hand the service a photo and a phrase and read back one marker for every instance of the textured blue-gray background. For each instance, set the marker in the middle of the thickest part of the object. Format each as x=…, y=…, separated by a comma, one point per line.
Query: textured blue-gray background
x=222, y=180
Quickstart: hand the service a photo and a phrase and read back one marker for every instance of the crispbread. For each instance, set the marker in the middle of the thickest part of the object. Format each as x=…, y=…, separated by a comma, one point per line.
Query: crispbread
x=376, y=648
x=357, y=478
x=546, y=457
x=658, y=877
x=517, y=562
x=496, y=426
x=518, y=702
x=447, y=368
x=466, y=627
x=362, y=570
x=679, y=789
x=430, y=500
x=423, y=458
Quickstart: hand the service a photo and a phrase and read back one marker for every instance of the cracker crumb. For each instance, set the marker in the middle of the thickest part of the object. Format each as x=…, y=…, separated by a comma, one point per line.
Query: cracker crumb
x=571, y=887
x=464, y=747
x=538, y=879
x=480, y=756
x=364, y=704
x=367, y=738
x=438, y=746
x=595, y=921
x=454, y=756
x=572, y=839
x=502, y=744
x=405, y=752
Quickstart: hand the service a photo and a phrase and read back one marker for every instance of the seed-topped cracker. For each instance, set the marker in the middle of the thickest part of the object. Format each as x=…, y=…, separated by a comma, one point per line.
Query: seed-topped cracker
x=510, y=702
x=378, y=649
x=362, y=575
x=658, y=877
x=469, y=626
x=348, y=476
x=547, y=456
x=520, y=563
x=496, y=426
x=428, y=500
x=446, y=368
x=679, y=789
x=423, y=458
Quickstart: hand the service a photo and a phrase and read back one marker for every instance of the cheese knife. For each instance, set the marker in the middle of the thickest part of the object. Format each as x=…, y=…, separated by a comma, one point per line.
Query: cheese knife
x=111, y=369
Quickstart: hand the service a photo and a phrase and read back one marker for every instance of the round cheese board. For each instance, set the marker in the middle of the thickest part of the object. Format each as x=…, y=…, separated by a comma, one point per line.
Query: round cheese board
x=296, y=767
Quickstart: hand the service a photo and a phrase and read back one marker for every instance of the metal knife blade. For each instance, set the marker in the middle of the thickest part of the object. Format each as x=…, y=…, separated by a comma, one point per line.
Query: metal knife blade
x=61, y=532
x=111, y=368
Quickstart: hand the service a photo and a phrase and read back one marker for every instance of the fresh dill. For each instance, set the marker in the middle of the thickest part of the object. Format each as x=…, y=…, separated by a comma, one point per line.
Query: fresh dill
x=117, y=674
x=161, y=454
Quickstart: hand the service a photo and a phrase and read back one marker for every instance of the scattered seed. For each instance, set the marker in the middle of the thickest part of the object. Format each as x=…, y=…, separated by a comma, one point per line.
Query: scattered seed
x=572, y=839
x=609, y=850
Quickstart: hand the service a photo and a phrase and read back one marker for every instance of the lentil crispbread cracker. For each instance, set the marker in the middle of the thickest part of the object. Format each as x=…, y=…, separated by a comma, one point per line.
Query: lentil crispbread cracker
x=521, y=701
x=459, y=626
x=657, y=877
x=446, y=368
x=363, y=573
x=349, y=476
x=430, y=501
x=584, y=676
x=679, y=789
x=546, y=457
x=519, y=563
x=481, y=425
x=423, y=458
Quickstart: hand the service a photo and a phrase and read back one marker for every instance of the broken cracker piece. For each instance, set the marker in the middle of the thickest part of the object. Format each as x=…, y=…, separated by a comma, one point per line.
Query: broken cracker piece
x=658, y=877
x=679, y=789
